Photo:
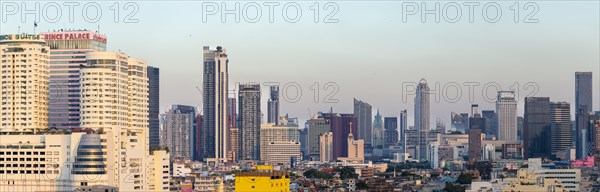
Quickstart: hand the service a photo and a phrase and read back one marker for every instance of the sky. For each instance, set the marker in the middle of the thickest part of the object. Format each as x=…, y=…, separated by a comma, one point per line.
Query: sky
x=370, y=50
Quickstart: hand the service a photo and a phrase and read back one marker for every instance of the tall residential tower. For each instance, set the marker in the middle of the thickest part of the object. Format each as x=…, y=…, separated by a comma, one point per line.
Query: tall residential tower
x=214, y=93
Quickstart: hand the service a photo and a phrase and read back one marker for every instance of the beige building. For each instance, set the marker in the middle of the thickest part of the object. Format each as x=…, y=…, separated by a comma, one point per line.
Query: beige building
x=356, y=151
x=24, y=86
x=281, y=152
x=270, y=132
x=326, y=142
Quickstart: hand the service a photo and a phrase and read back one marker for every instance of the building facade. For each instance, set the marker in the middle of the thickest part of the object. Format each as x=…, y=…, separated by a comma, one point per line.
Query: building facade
x=273, y=105
x=536, y=127
x=214, y=98
x=561, y=132
x=506, y=112
x=583, y=106
x=154, y=105
x=249, y=114
x=422, y=121
x=326, y=142
x=364, y=120
x=179, y=124
x=25, y=74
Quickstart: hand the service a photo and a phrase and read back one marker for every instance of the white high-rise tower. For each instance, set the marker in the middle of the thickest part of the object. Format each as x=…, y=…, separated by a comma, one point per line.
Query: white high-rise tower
x=506, y=110
x=422, y=118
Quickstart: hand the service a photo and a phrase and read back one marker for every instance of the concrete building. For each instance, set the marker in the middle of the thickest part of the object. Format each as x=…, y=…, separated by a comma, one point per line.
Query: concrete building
x=422, y=121
x=233, y=131
x=458, y=122
x=491, y=124
x=250, y=119
x=215, y=94
x=364, y=119
x=159, y=170
x=271, y=133
x=326, y=142
x=262, y=180
x=316, y=127
x=403, y=126
x=273, y=105
x=355, y=149
x=339, y=126
x=154, y=105
x=179, y=124
x=583, y=106
x=378, y=132
x=68, y=50
x=391, y=131
x=281, y=153
x=24, y=86
x=536, y=127
x=476, y=125
x=561, y=132
x=506, y=112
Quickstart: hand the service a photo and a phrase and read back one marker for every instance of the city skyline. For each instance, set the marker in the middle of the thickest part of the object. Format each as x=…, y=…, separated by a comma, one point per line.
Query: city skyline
x=578, y=22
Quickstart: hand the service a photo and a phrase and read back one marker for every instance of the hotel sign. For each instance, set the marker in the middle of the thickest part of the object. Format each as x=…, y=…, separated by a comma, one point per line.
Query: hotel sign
x=20, y=37
x=75, y=36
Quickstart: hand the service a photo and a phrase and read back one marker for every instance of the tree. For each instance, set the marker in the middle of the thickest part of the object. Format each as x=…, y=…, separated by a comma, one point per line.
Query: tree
x=347, y=173
x=454, y=187
x=464, y=179
x=313, y=173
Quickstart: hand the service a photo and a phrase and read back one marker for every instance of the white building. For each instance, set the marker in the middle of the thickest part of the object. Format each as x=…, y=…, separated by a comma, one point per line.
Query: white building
x=422, y=121
x=506, y=111
x=281, y=152
x=24, y=86
x=270, y=133
x=159, y=171
x=215, y=97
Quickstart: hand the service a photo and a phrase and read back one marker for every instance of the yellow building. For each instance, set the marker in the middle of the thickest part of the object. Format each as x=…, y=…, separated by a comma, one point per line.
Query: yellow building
x=262, y=179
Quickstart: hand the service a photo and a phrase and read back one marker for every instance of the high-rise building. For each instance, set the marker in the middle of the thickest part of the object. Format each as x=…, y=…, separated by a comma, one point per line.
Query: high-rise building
x=506, y=112
x=593, y=146
x=476, y=125
x=364, y=115
x=215, y=94
x=117, y=82
x=326, y=142
x=458, y=122
x=24, y=85
x=491, y=124
x=273, y=105
x=422, y=119
x=583, y=106
x=316, y=127
x=232, y=129
x=536, y=127
x=403, y=126
x=355, y=148
x=378, y=132
x=179, y=124
x=339, y=126
x=561, y=134
x=270, y=133
x=154, y=105
x=249, y=114
x=391, y=130
x=67, y=54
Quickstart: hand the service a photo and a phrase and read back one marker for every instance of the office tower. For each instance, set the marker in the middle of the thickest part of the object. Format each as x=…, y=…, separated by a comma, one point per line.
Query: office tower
x=273, y=105
x=520, y=121
x=458, y=122
x=593, y=146
x=355, y=148
x=270, y=133
x=536, y=127
x=506, y=112
x=402, y=128
x=378, y=132
x=561, y=135
x=24, y=85
x=491, y=124
x=282, y=153
x=232, y=129
x=304, y=141
x=117, y=82
x=391, y=130
x=214, y=98
x=583, y=106
x=178, y=130
x=363, y=113
x=154, y=105
x=198, y=136
x=249, y=131
x=326, y=142
x=422, y=119
x=476, y=125
x=339, y=126
x=67, y=53
x=316, y=127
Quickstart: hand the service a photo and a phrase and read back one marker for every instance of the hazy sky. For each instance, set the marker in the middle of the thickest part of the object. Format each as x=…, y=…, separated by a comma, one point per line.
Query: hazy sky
x=370, y=53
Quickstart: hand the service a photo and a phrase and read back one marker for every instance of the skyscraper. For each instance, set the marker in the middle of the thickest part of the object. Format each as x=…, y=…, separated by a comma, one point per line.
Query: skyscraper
x=506, y=112
x=339, y=126
x=583, y=106
x=215, y=94
x=249, y=130
x=273, y=105
x=24, y=85
x=561, y=134
x=154, y=105
x=316, y=127
x=459, y=122
x=422, y=119
x=364, y=115
x=402, y=128
x=232, y=129
x=179, y=124
x=536, y=127
x=378, y=132
x=476, y=125
x=491, y=124
x=391, y=131
x=67, y=53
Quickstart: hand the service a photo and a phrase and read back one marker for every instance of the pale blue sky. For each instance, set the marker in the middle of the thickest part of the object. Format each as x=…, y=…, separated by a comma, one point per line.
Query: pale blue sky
x=368, y=53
